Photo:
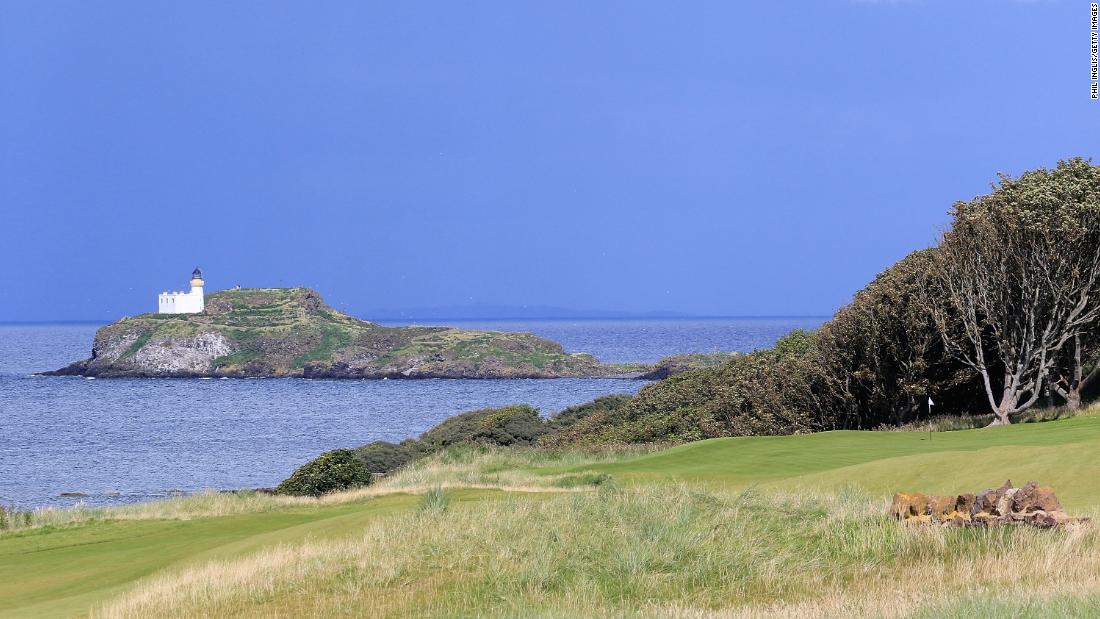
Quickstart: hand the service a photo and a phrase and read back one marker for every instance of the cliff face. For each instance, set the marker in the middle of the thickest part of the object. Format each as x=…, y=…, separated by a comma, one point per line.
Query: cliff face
x=291, y=332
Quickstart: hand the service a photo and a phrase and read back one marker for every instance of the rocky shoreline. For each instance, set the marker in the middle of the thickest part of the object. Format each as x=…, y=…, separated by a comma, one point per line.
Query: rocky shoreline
x=292, y=333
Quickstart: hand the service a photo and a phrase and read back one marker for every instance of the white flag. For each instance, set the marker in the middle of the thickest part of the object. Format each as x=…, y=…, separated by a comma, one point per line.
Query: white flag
x=930, y=403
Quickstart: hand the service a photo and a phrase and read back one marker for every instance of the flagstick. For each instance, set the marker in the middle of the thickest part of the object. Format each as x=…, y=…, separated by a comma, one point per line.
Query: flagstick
x=929, y=419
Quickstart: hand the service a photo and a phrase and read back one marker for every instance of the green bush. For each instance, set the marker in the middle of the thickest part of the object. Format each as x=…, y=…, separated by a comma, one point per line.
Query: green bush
x=600, y=406
x=511, y=425
x=334, y=470
x=384, y=457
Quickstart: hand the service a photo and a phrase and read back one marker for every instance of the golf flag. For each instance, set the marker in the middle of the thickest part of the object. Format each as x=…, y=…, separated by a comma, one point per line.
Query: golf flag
x=930, y=403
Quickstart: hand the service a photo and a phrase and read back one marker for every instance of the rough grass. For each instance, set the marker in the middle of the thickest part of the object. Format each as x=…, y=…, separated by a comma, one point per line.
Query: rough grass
x=671, y=550
x=948, y=423
x=756, y=526
x=333, y=337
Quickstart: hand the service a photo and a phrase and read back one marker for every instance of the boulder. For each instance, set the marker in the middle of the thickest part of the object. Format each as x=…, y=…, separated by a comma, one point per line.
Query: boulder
x=941, y=506
x=1033, y=505
x=1033, y=497
x=907, y=505
x=966, y=504
x=990, y=499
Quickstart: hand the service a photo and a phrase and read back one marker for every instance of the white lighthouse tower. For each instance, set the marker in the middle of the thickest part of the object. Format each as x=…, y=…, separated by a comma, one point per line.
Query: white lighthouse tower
x=184, y=302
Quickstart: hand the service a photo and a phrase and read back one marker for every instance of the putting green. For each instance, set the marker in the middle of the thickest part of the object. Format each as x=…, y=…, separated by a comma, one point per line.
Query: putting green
x=1057, y=453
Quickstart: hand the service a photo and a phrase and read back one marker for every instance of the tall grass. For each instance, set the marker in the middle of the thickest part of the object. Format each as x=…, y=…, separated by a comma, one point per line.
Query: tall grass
x=462, y=466
x=649, y=551
x=435, y=501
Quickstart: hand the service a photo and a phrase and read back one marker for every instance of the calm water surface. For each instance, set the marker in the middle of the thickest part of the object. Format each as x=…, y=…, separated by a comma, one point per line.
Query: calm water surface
x=124, y=440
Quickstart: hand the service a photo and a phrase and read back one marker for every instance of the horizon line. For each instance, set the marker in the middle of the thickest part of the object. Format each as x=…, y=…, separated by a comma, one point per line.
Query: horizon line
x=61, y=321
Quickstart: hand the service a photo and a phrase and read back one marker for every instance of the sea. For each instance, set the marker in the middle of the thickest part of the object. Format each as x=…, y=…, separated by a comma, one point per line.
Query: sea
x=70, y=440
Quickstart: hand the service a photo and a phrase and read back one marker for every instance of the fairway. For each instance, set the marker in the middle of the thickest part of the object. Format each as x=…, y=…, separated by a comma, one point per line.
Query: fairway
x=66, y=570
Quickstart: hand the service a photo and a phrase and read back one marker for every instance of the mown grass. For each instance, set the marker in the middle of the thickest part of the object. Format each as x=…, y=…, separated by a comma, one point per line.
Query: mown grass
x=766, y=526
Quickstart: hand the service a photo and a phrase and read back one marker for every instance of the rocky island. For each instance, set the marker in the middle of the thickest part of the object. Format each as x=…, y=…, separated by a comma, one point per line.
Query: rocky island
x=291, y=332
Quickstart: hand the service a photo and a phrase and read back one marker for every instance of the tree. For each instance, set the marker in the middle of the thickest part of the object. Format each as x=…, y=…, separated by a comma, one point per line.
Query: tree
x=883, y=355
x=1078, y=371
x=1016, y=281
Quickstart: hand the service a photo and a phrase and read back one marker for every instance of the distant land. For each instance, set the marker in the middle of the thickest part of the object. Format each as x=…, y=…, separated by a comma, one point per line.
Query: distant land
x=291, y=332
x=506, y=312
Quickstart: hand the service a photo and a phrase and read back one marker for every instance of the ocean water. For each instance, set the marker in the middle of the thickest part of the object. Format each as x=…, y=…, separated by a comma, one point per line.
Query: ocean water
x=124, y=440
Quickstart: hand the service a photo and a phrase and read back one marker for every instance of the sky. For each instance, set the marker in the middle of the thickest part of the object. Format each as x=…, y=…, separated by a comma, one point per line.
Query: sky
x=711, y=158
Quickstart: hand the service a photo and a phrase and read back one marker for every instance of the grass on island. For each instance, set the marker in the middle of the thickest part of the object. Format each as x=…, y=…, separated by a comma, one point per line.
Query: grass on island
x=731, y=527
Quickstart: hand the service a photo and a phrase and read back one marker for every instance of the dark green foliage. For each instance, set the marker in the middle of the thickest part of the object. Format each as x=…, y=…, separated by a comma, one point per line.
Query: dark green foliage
x=883, y=356
x=516, y=425
x=600, y=406
x=764, y=392
x=383, y=457
x=511, y=425
x=334, y=470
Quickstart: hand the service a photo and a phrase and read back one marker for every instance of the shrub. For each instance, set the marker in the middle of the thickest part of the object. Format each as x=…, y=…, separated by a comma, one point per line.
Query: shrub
x=601, y=405
x=511, y=425
x=383, y=456
x=334, y=470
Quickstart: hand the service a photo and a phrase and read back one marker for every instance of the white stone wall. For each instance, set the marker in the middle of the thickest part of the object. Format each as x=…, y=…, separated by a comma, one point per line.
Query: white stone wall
x=181, y=302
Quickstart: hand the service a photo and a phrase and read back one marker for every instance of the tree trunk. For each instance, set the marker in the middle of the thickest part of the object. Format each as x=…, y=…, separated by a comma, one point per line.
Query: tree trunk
x=1073, y=398
x=1004, y=410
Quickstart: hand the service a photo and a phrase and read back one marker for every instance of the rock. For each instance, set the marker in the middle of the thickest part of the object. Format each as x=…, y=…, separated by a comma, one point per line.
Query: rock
x=1034, y=497
x=941, y=506
x=990, y=499
x=1004, y=504
x=966, y=504
x=908, y=505
x=1023, y=501
x=1032, y=505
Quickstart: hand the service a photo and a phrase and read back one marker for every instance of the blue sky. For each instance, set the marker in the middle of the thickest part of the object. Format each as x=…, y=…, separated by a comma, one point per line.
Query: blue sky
x=720, y=158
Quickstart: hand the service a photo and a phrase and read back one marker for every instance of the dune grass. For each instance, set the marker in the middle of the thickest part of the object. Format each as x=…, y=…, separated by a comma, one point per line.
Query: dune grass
x=660, y=550
x=764, y=526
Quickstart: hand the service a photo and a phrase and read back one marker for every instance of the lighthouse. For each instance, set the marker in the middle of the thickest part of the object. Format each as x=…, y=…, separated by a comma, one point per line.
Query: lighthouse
x=184, y=302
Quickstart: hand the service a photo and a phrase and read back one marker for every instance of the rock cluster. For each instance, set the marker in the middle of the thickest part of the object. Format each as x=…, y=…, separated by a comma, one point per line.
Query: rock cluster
x=1032, y=504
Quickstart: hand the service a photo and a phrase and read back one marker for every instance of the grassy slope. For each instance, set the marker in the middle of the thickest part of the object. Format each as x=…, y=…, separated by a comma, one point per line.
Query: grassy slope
x=65, y=570
x=1056, y=453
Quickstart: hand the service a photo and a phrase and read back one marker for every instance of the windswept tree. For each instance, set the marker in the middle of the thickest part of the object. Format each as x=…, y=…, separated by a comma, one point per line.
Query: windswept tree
x=1078, y=369
x=885, y=354
x=1016, y=282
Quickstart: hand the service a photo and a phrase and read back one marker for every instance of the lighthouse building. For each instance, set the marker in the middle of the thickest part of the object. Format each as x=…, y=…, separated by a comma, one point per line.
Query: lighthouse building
x=183, y=302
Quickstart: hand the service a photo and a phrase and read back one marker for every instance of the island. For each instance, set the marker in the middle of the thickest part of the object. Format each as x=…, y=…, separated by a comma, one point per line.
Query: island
x=291, y=332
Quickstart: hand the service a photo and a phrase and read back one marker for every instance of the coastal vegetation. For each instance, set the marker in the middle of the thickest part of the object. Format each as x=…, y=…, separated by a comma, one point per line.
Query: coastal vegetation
x=1002, y=315
x=742, y=526
x=332, y=471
